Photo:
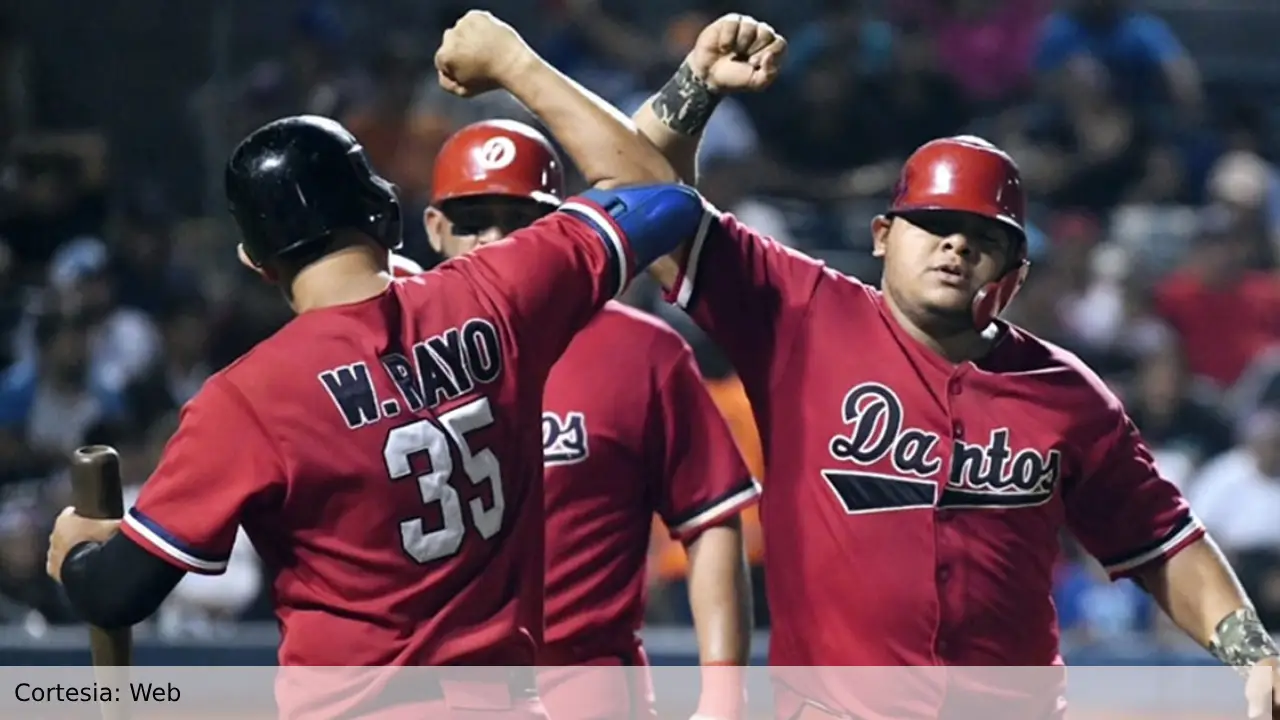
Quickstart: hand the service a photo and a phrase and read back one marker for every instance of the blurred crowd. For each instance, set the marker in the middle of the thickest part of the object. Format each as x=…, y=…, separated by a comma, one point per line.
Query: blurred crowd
x=1154, y=248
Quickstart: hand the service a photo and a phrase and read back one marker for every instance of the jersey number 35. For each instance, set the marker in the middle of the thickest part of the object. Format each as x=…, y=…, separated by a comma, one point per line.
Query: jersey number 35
x=424, y=436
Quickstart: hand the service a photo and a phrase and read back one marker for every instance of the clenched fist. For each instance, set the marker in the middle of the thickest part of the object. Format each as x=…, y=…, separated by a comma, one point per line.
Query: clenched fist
x=480, y=53
x=737, y=53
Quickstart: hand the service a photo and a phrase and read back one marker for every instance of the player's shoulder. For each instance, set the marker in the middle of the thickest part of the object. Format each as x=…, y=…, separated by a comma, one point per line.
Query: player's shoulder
x=271, y=363
x=1070, y=379
x=238, y=377
x=734, y=228
x=1020, y=350
x=219, y=397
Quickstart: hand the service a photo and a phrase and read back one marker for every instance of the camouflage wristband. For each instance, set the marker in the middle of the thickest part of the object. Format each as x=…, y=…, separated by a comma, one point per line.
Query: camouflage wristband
x=685, y=103
x=1240, y=640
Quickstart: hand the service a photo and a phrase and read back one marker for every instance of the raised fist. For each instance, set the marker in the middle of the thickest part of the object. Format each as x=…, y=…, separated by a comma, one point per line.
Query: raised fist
x=478, y=54
x=737, y=53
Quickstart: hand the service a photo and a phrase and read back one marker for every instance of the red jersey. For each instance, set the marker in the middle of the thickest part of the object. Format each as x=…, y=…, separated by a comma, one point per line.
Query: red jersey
x=914, y=506
x=628, y=430
x=380, y=456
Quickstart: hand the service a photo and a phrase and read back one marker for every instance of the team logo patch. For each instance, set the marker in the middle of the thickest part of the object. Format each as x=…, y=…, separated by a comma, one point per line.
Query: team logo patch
x=497, y=153
x=564, y=439
x=899, y=467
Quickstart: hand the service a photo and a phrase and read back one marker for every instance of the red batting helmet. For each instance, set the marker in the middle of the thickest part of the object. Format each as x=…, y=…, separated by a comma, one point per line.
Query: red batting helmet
x=498, y=157
x=969, y=174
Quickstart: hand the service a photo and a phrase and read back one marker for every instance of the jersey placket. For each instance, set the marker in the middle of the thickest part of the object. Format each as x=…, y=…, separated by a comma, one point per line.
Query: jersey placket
x=949, y=550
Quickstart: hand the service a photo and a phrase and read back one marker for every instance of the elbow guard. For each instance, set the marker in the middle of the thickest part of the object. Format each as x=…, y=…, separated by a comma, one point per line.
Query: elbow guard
x=655, y=219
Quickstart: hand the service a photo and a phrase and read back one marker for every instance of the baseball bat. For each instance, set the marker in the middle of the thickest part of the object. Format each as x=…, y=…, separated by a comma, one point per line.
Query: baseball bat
x=97, y=494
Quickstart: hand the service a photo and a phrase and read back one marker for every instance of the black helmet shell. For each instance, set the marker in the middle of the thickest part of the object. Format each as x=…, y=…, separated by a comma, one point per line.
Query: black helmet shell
x=294, y=181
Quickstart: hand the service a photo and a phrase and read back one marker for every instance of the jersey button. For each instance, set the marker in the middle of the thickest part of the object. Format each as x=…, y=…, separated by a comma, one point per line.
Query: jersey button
x=957, y=429
x=944, y=573
x=955, y=386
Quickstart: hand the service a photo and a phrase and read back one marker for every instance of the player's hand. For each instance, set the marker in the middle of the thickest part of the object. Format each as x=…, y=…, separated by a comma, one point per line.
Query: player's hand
x=480, y=53
x=69, y=530
x=1259, y=690
x=737, y=53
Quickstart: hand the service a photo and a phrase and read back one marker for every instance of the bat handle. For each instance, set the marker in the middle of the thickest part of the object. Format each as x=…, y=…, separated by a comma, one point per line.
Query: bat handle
x=97, y=492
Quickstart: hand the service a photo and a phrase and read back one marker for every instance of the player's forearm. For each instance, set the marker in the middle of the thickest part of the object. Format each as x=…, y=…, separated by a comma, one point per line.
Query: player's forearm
x=720, y=595
x=674, y=120
x=117, y=583
x=602, y=142
x=1199, y=592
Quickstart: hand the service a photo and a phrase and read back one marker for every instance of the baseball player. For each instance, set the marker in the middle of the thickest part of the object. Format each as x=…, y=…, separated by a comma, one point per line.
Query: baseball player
x=923, y=454
x=378, y=449
x=628, y=429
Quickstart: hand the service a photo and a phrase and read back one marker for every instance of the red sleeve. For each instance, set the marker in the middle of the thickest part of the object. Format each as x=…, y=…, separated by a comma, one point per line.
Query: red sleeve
x=750, y=294
x=1123, y=512
x=218, y=462
x=551, y=278
x=703, y=479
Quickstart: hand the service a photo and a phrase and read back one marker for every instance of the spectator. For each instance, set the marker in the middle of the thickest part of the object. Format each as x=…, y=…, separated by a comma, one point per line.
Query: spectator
x=985, y=46
x=1136, y=51
x=147, y=275
x=916, y=101
x=55, y=192
x=1244, y=179
x=841, y=149
x=1092, y=150
x=599, y=44
x=1223, y=313
x=50, y=402
x=180, y=370
x=840, y=25
x=1094, y=611
x=1182, y=428
x=123, y=341
x=313, y=75
x=1090, y=304
x=1237, y=495
x=1259, y=571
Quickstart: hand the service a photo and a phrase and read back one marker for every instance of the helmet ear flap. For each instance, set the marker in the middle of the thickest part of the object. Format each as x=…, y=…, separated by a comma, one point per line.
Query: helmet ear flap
x=390, y=226
x=995, y=296
x=386, y=219
x=247, y=255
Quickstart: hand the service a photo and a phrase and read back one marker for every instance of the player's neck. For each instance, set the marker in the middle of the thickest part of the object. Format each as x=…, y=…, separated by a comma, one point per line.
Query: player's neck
x=953, y=342
x=348, y=276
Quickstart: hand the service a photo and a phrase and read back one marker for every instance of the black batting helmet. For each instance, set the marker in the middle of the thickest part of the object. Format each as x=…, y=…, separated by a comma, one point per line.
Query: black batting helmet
x=292, y=182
